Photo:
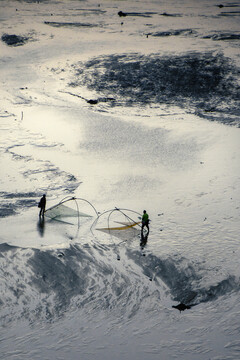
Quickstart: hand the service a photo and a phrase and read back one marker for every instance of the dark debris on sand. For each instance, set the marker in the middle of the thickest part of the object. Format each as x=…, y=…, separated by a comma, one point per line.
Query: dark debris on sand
x=14, y=40
x=181, y=307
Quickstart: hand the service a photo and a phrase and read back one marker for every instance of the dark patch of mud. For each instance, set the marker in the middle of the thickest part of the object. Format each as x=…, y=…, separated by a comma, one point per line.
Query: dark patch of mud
x=228, y=5
x=173, y=15
x=14, y=40
x=183, y=280
x=7, y=210
x=50, y=274
x=226, y=36
x=175, y=32
x=11, y=203
x=8, y=195
x=196, y=81
x=145, y=14
x=6, y=247
x=92, y=11
x=50, y=282
x=36, y=1
x=230, y=13
x=14, y=203
x=70, y=24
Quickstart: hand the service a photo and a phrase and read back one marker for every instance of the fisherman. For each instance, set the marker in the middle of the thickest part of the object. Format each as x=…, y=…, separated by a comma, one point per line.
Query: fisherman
x=145, y=220
x=42, y=205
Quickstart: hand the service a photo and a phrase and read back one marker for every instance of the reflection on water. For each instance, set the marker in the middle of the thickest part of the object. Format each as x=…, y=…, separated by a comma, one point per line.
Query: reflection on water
x=41, y=226
x=144, y=239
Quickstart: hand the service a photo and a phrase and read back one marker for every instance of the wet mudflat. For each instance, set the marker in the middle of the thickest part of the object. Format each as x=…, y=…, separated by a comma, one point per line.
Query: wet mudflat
x=138, y=111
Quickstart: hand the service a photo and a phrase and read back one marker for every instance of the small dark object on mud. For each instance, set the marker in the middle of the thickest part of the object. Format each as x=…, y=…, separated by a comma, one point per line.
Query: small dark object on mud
x=92, y=102
x=120, y=13
x=13, y=40
x=181, y=307
x=220, y=6
x=61, y=254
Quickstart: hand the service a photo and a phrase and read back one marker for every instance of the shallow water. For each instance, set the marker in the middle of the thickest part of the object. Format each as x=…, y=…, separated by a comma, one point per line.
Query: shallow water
x=161, y=133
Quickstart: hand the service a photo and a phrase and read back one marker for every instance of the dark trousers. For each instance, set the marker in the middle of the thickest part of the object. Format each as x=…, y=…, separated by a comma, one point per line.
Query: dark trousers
x=145, y=224
x=41, y=212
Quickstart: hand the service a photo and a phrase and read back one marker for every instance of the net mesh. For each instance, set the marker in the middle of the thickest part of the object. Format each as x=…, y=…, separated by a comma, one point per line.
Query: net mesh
x=61, y=210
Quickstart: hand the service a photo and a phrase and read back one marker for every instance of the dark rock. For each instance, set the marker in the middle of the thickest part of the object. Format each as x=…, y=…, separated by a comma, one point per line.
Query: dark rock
x=120, y=13
x=92, y=102
x=181, y=307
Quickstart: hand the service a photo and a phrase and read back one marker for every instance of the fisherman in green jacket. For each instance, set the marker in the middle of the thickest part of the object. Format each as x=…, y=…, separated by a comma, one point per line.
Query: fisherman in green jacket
x=145, y=220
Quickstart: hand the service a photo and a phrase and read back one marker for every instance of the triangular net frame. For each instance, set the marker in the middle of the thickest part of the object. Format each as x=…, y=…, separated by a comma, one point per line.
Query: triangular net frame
x=122, y=225
x=61, y=210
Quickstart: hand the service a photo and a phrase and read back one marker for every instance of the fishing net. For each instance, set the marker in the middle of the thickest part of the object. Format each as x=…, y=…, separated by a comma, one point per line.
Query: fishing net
x=127, y=234
x=62, y=210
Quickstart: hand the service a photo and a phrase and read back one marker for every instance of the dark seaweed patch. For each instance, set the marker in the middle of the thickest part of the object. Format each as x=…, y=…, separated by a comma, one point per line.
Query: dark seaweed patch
x=228, y=5
x=230, y=13
x=14, y=40
x=155, y=78
x=35, y=1
x=69, y=24
x=7, y=210
x=145, y=14
x=18, y=195
x=183, y=281
x=201, y=81
x=223, y=36
x=13, y=202
x=97, y=11
x=173, y=15
x=173, y=32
